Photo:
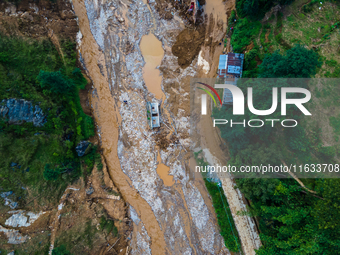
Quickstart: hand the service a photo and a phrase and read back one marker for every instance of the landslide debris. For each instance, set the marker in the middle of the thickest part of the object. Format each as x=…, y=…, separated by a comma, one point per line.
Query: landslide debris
x=36, y=19
x=188, y=45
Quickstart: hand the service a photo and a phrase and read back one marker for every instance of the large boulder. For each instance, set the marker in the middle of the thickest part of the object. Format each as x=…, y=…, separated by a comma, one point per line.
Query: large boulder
x=83, y=148
x=89, y=191
x=19, y=110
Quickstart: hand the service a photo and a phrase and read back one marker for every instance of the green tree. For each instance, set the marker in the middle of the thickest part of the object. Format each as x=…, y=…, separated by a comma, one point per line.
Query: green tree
x=326, y=213
x=56, y=82
x=287, y=224
x=256, y=9
x=50, y=174
x=250, y=64
x=327, y=210
x=298, y=62
x=61, y=250
x=79, y=78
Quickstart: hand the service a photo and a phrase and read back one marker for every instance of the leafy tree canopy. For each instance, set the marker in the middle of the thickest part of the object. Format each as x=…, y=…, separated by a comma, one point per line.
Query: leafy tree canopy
x=298, y=62
x=56, y=82
x=61, y=250
x=256, y=8
x=50, y=174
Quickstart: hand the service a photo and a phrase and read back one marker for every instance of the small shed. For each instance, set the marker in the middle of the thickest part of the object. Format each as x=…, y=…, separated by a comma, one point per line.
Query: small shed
x=230, y=68
x=230, y=65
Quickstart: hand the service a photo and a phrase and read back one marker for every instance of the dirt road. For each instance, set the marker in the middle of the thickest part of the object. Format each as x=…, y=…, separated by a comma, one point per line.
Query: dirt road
x=214, y=154
x=211, y=142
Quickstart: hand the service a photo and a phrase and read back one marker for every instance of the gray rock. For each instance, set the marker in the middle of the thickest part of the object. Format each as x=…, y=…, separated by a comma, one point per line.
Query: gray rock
x=89, y=191
x=82, y=148
x=6, y=194
x=19, y=110
x=39, y=118
x=11, y=9
x=9, y=202
x=21, y=218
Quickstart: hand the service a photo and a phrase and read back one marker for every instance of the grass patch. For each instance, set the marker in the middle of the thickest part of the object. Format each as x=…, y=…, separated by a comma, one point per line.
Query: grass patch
x=222, y=210
x=108, y=225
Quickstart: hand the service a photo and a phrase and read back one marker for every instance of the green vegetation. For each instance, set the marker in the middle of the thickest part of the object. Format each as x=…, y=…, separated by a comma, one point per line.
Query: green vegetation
x=42, y=159
x=85, y=234
x=256, y=9
x=297, y=62
x=108, y=225
x=244, y=33
x=222, y=210
x=302, y=43
x=61, y=250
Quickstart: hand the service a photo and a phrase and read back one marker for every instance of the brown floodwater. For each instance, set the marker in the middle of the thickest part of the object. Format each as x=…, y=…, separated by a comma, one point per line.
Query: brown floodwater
x=153, y=53
x=107, y=117
x=163, y=172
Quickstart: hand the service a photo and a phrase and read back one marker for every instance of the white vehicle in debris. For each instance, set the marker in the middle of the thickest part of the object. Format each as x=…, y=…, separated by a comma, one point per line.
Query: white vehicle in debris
x=153, y=114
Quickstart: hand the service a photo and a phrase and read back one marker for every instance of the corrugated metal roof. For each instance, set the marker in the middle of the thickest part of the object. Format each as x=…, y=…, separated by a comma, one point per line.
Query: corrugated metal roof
x=230, y=64
x=223, y=62
x=234, y=69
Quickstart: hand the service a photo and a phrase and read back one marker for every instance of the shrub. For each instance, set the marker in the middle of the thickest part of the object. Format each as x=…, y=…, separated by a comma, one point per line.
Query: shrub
x=79, y=79
x=297, y=140
x=328, y=152
x=244, y=32
x=56, y=82
x=61, y=250
x=50, y=174
x=331, y=62
x=108, y=225
x=297, y=62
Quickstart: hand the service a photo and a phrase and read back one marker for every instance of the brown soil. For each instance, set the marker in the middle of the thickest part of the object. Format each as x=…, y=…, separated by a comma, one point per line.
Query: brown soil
x=250, y=46
x=230, y=5
x=188, y=45
x=258, y=60
x=80, y=209
x=161, y=138
x=266, y=36
x=54, y=18
x=205, y=33
x=84, y=99
x=165, y=10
